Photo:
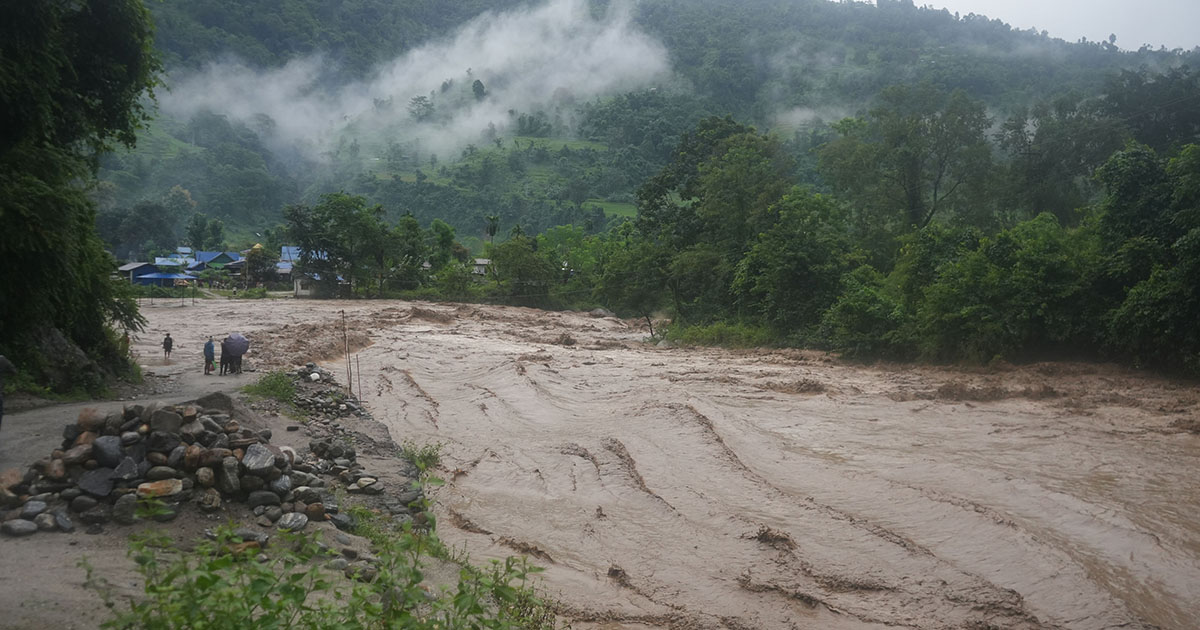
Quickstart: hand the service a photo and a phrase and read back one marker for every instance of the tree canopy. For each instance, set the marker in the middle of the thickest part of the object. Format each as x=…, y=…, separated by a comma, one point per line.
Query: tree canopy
x=73, y=81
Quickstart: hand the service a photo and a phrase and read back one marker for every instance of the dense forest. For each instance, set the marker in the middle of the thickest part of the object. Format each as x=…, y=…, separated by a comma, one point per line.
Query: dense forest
x=874, y=178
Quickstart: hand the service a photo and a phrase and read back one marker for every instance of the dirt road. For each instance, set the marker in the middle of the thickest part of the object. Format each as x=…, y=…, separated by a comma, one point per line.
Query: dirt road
x=699, y=488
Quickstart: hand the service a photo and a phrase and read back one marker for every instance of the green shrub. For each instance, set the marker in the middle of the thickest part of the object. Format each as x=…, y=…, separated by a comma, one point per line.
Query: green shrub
x=223, y=584
x=867, y=319
x=424, y=457
x=276, y=385
x=723, y=334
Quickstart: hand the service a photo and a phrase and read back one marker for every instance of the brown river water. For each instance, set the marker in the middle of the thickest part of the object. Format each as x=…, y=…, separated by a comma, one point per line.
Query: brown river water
x=703, y=488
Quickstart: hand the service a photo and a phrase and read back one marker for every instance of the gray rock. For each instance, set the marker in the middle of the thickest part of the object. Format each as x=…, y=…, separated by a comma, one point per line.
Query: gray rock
x=192, y=429
x=130, y=438
x=307, y=494
x=252, y=535
x=165, y=421
x=163, y=442
x=273, y=512
x=408, y=496
x=127, y=470
x=148, y=411
x=207, y=438
x=362, y=572
x=338, y=564
x=227, y=476
x=258, y=459
x=31, y=509
x=124, y=511
x=97, y=515
x=137, y=452
x=281, y=486
x=221, y=441
x=175, y=459
x=215, y=400
x=263, y=521
x=113, y=422
x=343, y=522
x=251, y=483
x=158, y=473
x=63, y=521
x=45, y=522
x=293, y=522
x=107, y=451
x=70, y=432
x=300, y=478
x=69, y=494
x=98, y=482
x=18, y=527
x=83, y=503
x=262, y=497
x=210, y=425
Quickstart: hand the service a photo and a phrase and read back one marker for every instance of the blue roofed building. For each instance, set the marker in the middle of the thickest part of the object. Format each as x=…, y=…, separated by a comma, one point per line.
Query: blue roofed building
x=204, y=260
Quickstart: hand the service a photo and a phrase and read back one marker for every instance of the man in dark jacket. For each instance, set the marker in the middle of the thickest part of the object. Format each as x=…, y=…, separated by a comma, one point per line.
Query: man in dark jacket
x=226, y=357
x=209, y=355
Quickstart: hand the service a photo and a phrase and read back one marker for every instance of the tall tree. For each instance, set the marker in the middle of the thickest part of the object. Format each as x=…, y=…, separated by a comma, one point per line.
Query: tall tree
x=493, y=226
x=916, y=155
x=73, y=81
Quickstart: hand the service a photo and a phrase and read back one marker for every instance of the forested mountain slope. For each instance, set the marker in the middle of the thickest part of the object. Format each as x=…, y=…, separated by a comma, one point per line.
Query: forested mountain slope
x=790, y=65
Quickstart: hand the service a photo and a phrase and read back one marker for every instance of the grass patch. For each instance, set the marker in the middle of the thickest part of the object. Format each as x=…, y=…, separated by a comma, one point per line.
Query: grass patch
x=275, y=385
x=721, y=334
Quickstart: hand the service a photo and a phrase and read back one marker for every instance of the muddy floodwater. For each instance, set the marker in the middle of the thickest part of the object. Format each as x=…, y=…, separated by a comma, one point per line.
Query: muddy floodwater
x=704, y=488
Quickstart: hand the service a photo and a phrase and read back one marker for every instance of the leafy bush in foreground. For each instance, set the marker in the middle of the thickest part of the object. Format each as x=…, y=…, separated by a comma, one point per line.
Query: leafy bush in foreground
x=226, y=584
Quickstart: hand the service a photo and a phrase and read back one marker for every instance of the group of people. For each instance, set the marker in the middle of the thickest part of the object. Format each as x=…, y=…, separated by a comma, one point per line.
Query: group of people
x=231, y=354
x=231, y=358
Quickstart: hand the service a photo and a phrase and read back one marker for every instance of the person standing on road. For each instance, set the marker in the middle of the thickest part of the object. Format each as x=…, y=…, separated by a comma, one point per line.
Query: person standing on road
x=209, y=355
x=6, y=368
x=226, y=356
x=167, y=344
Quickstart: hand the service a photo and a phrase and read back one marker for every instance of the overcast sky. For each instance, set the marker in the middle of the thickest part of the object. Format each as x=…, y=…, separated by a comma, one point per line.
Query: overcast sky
x=1173, y=23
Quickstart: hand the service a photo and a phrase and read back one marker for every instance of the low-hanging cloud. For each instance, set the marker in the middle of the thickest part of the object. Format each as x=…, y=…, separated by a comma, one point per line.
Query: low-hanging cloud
x=525, y=59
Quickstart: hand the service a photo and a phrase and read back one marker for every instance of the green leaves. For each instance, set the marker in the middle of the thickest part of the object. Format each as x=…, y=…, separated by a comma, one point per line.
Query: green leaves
x=221, y=584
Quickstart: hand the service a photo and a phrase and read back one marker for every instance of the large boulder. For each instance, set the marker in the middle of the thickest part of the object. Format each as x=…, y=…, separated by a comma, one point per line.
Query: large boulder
x=258, y=460
x=227, y=476
x=166, y=421
x=98, y=482
x=66, y=366
x=19, y=527
x=215, y=400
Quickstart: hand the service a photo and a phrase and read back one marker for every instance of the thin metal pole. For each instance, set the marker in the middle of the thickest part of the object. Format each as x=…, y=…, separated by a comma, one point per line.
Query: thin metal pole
x=346, y=353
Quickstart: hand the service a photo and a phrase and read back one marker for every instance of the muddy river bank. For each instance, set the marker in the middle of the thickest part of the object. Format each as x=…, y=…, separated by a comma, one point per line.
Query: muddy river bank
x=702, y=488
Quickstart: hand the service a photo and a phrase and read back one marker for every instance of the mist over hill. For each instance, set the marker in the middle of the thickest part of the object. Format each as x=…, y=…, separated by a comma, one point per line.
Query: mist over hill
x=459, y=111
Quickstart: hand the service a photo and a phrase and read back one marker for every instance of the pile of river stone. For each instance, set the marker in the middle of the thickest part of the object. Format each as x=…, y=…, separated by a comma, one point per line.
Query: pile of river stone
x=322, y=398
x=192, y=453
